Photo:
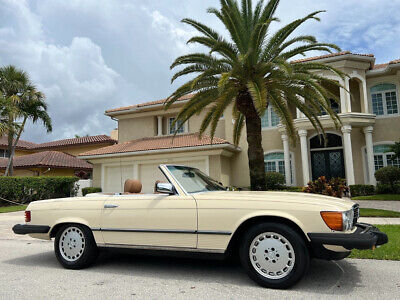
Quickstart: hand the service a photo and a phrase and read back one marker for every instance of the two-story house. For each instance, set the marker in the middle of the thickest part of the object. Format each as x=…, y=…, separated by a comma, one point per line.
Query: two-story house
x=368, y=109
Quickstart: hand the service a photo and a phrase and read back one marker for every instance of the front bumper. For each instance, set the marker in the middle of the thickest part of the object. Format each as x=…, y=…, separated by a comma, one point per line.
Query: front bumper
x=366, y=236
x=27, y=229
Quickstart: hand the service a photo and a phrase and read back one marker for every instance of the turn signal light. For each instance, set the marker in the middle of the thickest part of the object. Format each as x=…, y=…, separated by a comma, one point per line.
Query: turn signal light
x=333, y=219
x=27, y=216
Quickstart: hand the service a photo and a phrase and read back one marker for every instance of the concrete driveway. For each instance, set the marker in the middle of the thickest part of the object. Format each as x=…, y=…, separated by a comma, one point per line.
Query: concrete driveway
x=28, y=268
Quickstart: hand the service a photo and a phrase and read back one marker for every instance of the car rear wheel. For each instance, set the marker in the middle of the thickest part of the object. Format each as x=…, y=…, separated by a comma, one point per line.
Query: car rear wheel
x=75, y=247
x=274, y=255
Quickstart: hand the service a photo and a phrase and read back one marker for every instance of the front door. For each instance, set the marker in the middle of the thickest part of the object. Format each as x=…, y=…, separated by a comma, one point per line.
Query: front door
x=154, y=220
x=328, y=163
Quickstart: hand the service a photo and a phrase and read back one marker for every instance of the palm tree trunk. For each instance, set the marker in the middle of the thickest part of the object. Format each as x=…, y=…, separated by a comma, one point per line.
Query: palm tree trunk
x=255, y=151
x=10, y=169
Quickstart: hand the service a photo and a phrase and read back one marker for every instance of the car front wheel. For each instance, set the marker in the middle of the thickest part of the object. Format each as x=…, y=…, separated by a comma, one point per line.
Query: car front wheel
x=75, y=247
x=274, y=255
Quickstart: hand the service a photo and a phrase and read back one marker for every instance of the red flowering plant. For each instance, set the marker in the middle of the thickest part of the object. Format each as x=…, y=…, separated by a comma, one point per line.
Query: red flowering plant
x=335, y=187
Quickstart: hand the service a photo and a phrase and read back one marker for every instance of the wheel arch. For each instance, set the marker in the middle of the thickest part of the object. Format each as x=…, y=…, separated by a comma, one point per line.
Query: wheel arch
x=60, y=223
x=253, y=220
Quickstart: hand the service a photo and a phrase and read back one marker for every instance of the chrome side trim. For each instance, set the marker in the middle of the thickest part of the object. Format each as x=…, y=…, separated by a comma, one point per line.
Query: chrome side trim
x=183, y=231
x=147, y=247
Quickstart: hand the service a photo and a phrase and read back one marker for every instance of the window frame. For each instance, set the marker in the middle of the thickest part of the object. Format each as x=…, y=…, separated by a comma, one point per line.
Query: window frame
x=276, y=161
x=184, y=127
x=384, y=102
x=4, y=153
x=269, y=111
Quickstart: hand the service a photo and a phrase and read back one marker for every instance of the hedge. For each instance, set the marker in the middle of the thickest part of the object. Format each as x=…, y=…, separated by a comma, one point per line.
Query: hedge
x=28, y=189
x=387, y=188
x=361, y=190
x=275, y=180
x=90, y=190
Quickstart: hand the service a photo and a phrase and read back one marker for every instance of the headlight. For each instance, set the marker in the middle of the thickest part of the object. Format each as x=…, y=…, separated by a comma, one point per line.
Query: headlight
x=339, y=221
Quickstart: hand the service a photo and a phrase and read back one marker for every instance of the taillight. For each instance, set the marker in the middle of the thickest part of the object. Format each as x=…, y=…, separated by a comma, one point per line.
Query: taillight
x=27, y=216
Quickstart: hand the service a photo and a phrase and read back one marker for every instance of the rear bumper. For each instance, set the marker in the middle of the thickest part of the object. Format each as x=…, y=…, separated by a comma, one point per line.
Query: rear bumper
x=366, y=236
x=27, y=229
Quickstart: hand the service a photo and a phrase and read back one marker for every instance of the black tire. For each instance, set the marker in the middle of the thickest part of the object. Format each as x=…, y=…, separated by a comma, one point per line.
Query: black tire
x=88, y=249
x=295, y=271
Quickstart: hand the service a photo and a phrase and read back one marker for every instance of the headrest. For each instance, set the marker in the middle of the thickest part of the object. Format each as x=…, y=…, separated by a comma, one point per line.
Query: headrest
x=132, y=186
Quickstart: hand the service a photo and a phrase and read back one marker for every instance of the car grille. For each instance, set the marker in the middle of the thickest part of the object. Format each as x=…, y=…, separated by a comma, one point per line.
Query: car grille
x=356, y=209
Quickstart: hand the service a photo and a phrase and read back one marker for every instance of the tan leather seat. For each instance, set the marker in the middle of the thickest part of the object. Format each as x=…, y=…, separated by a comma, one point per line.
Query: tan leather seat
x=132, y=186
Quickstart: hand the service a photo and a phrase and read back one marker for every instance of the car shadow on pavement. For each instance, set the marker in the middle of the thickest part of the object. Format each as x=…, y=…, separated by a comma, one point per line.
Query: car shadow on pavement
x=324, y=277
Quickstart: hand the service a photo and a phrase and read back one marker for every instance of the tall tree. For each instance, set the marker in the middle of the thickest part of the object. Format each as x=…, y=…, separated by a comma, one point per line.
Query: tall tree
x=251, y=69
x=26, y=103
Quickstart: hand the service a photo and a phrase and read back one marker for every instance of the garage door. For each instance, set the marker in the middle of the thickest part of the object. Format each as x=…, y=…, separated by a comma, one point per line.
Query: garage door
x=149, y=173
x=115, y=177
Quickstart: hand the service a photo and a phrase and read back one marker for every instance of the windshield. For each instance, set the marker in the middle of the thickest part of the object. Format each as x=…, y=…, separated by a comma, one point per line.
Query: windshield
x=193, y=180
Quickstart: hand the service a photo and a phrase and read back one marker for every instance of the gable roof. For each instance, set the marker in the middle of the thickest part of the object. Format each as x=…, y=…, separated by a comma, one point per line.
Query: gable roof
x=158, y=143
x=86, y=140
x=47, y=159
x=145, y=104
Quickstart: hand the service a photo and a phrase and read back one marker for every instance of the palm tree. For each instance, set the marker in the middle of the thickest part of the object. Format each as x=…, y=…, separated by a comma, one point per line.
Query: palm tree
x=252, y=70
x=25, y=102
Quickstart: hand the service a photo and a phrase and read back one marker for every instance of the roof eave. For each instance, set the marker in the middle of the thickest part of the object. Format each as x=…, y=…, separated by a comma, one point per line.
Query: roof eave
x=226, y=146
x=137, y=109
x=384, y=70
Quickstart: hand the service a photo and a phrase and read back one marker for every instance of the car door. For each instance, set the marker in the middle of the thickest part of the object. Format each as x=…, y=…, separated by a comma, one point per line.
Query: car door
x=155, y=220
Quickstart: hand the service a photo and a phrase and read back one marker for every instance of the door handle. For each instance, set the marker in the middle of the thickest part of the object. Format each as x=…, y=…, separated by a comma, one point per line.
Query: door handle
x=110, y=205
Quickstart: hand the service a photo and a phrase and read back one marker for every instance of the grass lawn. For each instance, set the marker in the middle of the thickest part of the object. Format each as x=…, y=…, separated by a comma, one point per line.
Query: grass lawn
x=381, y=197
x=372, y=212
x=6, y=209
x=390, y=251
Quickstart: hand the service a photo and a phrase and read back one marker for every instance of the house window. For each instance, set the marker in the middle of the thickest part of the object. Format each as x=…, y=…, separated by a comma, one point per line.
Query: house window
x=334, y=105
x=384, y=99
x=275, y=162
x=383, y=157
x=4, y=153
x=172, y=128
x=269, y=119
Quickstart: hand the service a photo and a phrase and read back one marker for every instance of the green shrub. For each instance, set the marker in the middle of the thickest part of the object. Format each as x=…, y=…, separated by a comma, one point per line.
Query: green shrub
x=28, y=189
x=335, y=187
x=361, y=190
x=275, y=180
x=387, y=188
x=388, y=175
x=292, y=188
x=90, y=190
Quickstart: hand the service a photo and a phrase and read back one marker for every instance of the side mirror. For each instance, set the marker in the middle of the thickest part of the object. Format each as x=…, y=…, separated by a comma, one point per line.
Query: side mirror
x=165, y=188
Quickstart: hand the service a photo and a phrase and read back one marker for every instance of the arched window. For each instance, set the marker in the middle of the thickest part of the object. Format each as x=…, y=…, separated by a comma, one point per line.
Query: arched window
x=270, y=118
x=383, y=157
x=275, y=162
x=384, y=99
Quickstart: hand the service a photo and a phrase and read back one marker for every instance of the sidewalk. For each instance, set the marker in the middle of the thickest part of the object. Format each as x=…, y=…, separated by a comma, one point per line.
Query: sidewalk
x=380, y=221
x=387, y=205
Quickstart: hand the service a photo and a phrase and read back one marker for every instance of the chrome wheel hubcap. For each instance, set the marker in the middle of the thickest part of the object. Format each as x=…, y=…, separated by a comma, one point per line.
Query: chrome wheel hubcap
x=72, y=244
x=272, y=255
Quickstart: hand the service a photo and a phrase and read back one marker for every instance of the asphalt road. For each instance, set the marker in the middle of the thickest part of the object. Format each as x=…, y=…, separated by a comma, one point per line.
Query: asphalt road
x=29, y=270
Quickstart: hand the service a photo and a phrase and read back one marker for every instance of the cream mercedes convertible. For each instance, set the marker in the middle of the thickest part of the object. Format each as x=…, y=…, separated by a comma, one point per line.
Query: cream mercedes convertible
x=274, y=233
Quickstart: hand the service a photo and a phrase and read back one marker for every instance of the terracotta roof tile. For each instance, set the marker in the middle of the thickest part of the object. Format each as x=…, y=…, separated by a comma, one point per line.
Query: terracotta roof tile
x=157, y=143
x=51, y=159
x=140, y=105
x=384, y=65
x=96, y=139
x=20, y=145
x=328, y=56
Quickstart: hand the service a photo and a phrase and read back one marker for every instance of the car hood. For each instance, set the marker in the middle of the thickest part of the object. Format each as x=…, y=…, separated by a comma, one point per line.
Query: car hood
x=287, y=197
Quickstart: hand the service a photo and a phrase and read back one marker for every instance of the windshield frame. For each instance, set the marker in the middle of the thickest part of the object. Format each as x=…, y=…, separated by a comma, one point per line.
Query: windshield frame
x=177, y=182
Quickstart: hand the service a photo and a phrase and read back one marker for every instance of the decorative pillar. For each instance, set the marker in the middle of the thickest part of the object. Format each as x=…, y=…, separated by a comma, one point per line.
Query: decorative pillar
x=370, y=154
x=286, y=155
x=364, y=94
x=347, y=93
x=348, y=154
x=342, y=91
x=159, y=125
x=304, y=155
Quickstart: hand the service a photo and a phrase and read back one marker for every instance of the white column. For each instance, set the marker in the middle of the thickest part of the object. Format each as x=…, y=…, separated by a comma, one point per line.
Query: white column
x=342, y=97
x=347, y=93
x=370, y=154
x=304, y=156
x=348, y=154
x=286, y=154
x=159, y=127
x=365, y=96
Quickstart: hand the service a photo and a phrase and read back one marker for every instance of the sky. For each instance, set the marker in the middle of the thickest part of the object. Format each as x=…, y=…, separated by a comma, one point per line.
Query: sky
x=91, y=55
